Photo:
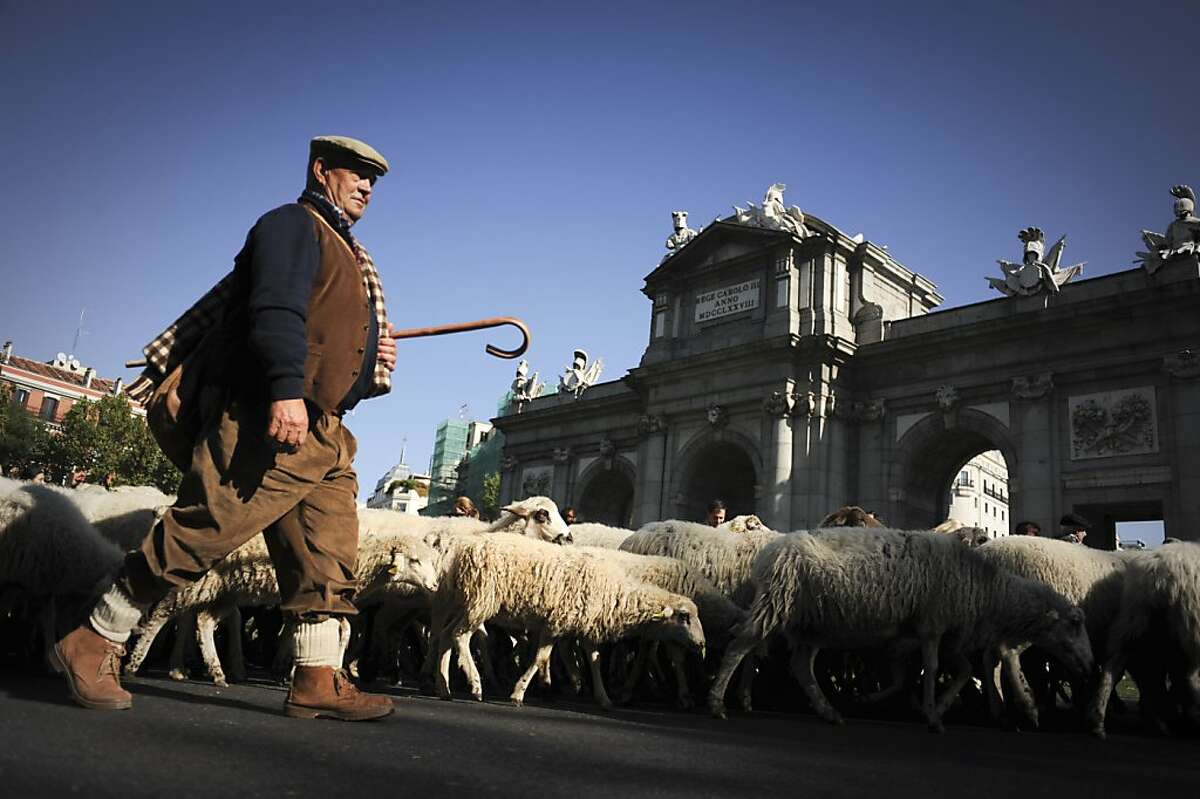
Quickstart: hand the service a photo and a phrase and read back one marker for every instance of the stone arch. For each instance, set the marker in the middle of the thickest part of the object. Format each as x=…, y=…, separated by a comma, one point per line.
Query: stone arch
x=606, y=492
x=722, y=463
x=929, y=454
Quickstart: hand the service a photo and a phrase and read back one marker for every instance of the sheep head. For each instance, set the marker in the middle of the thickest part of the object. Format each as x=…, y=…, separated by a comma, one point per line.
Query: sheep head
x=536, y=517
x=414, y=563
x=741, y=524
x=1062, y=632
x=851, y=516
x=678, y=622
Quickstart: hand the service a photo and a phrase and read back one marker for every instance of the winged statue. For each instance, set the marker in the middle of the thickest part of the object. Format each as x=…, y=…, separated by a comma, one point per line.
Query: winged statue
x=1037, y=272
x=1182, y=238
x=580, y=375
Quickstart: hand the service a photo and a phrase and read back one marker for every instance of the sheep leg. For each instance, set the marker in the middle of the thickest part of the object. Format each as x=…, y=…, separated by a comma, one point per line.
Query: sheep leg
x=635, y=672
x=897, y=671
x=185, y=632
x=929, y=661
x=1114, y=667
x=285, y=652
x=206, y=626
x=484, y=641
x=803, y=656
x=1017, y=690
x=598, y=692
x=149, y=632
x=741, y=646
x=466, y=663
x=233, y=652
x=540, y=660
x=960, y=666
x=745, y=689
x=567, y=653
x=446, y=637
x=683, y=697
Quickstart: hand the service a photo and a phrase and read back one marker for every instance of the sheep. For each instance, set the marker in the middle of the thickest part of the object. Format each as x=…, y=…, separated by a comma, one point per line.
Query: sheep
x=856, y=587
x=247, y=577
x=123, y=515
x=594, y=534
x=718, y=614
x=555, y=592
x=1161, y=593
x=851, y=516
x=1089, y=578
x=970, y=536
x=49, y=552
x=536, y=517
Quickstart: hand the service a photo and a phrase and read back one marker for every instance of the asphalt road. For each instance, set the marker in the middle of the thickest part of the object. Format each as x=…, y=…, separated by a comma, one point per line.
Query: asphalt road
x=192, y=739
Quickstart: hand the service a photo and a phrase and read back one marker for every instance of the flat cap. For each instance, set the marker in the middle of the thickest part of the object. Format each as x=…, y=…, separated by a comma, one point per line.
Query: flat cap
x=345, y=147
x=1074, y=521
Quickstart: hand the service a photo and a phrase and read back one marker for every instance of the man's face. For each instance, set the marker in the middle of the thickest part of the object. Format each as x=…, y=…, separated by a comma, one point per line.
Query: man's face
x=716, y=517
x=347, y=187
x=569, y=516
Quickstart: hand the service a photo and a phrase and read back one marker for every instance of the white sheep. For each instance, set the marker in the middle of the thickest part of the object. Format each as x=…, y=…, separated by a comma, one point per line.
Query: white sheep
x=537, y=517
x=554, y=592
x=1089, y=578
x=855, y=587
x=123, y=515
x=594, y=534
x=1160, y=595
x=718, y=614
x=247, y=577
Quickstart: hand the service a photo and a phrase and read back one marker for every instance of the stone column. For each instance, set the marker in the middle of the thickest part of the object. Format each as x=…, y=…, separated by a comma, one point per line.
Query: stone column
x=560, y=490
x=509, y=468
x=1032, y=491
x=652, y=456
x=776, y=508
x=1183, y=520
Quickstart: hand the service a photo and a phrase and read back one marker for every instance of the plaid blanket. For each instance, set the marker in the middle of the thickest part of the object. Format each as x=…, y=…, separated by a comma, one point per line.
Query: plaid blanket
x=172, y=346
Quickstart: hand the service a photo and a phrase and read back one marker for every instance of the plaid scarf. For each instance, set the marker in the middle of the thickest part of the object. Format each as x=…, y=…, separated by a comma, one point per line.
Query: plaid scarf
x=179, y=340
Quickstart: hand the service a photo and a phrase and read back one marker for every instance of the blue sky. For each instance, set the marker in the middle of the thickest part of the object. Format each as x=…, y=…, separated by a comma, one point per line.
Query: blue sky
x=539, y=148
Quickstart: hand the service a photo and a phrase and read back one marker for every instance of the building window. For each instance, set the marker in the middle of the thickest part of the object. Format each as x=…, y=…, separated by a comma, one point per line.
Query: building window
x=49, y=408
x=21, y=397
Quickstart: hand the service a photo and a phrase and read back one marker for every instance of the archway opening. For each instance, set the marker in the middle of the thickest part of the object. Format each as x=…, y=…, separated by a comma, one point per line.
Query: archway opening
x=719, y=470
x=607, y=498
x=958, y=472
x=977, y=494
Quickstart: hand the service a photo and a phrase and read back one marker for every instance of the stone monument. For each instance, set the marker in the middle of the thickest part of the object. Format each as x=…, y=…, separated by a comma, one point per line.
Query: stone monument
x=682, y=235
x=525, y=388
x=1035, y=273
x=1182, y=239
x=773, y=215
x=580, y=375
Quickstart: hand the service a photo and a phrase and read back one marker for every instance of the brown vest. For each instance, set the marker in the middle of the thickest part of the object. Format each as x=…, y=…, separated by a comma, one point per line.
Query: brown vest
x=339, y=319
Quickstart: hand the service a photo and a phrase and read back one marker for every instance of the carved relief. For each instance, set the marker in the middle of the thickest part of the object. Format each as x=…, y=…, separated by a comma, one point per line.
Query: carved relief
x=650, y=424
x=537, y=481
x=805, y=403
x=777, y=404
x=562, y=454
x=1113, y=423
x=509, y=463
x=717, y=415
x=947, y=398
x=607, y=448
x=1182, y=365
x=1033, y=386
x=862, y=411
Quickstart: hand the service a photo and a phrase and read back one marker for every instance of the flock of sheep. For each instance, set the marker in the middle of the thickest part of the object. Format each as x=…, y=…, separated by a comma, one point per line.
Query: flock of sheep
x=856, y=615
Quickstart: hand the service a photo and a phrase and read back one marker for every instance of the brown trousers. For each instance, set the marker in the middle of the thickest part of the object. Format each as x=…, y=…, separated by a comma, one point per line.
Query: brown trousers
x=240, y=484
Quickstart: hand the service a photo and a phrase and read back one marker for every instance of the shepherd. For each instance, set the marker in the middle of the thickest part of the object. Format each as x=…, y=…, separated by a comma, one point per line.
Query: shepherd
x=246, y=392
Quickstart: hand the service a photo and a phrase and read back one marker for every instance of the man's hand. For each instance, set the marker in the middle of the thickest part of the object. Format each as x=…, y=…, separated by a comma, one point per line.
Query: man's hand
x=386, y=352
x=287, y=424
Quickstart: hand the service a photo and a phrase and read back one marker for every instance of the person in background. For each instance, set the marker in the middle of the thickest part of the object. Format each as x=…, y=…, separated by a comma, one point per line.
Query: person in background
x=1073, y=528
x=36, y=474
x=568, y=515
x=78, y=478
x=1027, y=528
x=716, y=513
x=463, y=506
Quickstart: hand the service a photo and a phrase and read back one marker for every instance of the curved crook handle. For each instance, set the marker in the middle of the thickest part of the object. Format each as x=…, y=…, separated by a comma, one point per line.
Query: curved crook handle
x=481, y=324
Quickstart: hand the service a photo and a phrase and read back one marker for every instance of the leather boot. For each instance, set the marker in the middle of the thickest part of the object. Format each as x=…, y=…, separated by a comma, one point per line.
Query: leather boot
x=323, y=692
x=91, y=663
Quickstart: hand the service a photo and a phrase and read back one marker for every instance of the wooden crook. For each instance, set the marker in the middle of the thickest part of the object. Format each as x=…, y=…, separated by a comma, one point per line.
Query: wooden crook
x=481, y=324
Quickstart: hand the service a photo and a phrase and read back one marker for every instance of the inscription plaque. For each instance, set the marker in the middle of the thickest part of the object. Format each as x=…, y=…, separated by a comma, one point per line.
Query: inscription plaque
x=727, y=300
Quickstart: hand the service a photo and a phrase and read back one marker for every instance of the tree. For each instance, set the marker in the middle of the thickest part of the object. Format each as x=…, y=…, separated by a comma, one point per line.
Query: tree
x=24, y=440
x=490, y=500
x=104, y=437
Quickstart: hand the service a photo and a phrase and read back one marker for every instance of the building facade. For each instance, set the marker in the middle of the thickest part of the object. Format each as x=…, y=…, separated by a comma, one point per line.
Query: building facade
x=790, y=370
x=979, y=495
x=400, y=490
x=453, y=439
x=49, y=389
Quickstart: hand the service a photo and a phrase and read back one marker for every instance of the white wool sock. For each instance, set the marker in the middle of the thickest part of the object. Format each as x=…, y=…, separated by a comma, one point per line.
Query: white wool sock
x=115, y=615
x=319, y=644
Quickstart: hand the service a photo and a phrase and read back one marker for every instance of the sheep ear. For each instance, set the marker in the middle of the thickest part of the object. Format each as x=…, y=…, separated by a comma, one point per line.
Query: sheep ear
x=433, y=539
x=517, y=509
x=665, y=613
x=1052, y=616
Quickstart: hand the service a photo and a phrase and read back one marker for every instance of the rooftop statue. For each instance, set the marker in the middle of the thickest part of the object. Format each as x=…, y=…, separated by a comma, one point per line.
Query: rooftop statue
x=1035, y=273
x=682, y=235
x=773, y=215
x=579, y=376
x=525, y=388
x=1183, y=235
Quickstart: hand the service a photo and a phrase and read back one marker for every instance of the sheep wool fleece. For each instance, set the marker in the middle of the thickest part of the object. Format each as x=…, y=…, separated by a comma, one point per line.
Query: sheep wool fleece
x=239, y=483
